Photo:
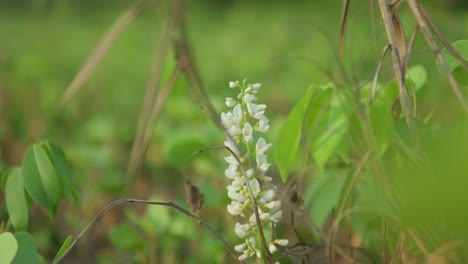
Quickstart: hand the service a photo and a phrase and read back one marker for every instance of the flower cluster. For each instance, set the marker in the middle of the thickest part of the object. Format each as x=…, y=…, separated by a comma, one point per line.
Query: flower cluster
x=245, y=120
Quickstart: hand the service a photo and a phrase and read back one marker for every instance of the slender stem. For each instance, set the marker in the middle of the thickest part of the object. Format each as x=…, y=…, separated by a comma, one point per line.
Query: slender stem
x=131, y=200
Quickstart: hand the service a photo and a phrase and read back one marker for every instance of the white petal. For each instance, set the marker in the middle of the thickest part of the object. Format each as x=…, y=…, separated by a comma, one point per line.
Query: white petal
x=255, y=185
x=282, y=242
x=230, y=102
x=232, y=85
x=240, y=247
x=247, y=132
x=237, y=114
x=272, y=248
x=256, y=86
x=263, y=125
x=276, y=217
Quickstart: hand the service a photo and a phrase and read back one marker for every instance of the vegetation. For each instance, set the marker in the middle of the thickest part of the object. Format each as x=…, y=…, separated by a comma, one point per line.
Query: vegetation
x=113, y=120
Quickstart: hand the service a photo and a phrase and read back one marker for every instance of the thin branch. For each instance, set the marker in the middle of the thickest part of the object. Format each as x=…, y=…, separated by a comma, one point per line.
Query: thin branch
x=149, y=202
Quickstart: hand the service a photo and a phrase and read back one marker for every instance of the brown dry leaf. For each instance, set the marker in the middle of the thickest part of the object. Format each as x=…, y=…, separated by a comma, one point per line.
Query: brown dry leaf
x=195, y=197
x=400, y=42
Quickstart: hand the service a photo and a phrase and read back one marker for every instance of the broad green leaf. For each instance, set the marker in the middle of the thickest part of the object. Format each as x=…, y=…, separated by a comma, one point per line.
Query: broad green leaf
x=27, y=250
x=179, y=147
x=290, y=136
x=15, y=198
x=461, y=76
x=461, y=47
x=8, y=247
x=41, y=179
x=328, y=138
x=57, y=156
x=382, y=124
x=63, y=249
x=389, y=93
x=125, y=237
x=417, y=75
x=323, y=196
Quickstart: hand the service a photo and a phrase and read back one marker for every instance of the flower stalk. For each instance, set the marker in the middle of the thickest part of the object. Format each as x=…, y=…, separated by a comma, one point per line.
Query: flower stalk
x=252, y=194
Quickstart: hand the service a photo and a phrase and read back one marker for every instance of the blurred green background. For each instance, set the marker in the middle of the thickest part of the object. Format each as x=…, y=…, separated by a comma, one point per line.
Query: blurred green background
x=285, y=45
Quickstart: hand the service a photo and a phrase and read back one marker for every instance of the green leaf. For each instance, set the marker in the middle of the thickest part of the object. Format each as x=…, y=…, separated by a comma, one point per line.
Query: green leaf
x=65, y=246
x=27, y=250
x=15, y=198
x=57, y=157
x=417, y=75
x=125, y=237
x=382, y=124
x=460, y=74
x=290, y=136
x=41, y=179
x=8, y=247
x=462, y=47
x=328, y=138
x=323, y=196
x=179, y=147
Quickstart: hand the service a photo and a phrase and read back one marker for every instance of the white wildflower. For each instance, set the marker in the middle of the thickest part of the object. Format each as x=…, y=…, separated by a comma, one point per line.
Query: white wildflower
x=244, y=119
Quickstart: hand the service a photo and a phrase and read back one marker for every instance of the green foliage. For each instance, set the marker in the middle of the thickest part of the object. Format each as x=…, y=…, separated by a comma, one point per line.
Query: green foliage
x=461, y=47
x=27, y=250
x=290, y=136
x=8, y=247
x=44, y=175
x=125, y=237
x=65, y=246
x=323, y=196
x=402, y=184
x=16, y=198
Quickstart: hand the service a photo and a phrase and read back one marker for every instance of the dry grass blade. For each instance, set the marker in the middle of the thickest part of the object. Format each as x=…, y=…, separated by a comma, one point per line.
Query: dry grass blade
x=102, y=48
x=415, y=9
x=344, y=15
x=150, y=102
x=187, y=63
x=398, y=68
x=400, y=41
x=449, y=46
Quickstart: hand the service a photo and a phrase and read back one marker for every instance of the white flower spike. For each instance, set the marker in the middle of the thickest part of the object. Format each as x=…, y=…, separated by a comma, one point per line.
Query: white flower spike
x=242, y=124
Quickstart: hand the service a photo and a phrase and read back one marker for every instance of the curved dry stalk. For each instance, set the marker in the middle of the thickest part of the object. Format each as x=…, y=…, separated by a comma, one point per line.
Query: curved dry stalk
x=376, y=75
x=102, y=48
x=149, y=202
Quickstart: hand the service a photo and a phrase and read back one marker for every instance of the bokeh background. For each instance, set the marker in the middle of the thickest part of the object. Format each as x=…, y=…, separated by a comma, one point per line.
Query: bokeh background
x=285, y=45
